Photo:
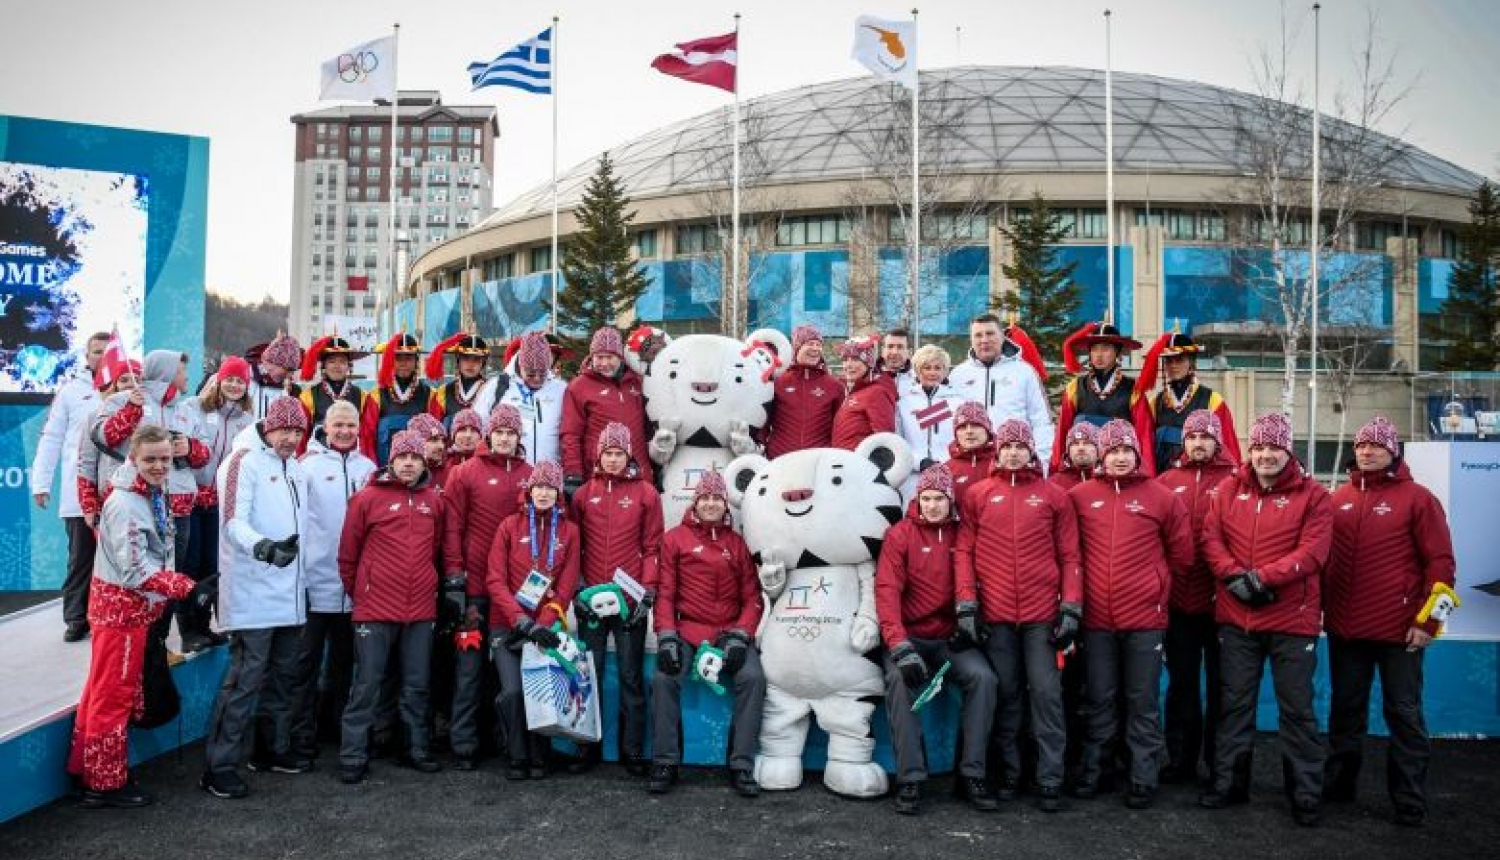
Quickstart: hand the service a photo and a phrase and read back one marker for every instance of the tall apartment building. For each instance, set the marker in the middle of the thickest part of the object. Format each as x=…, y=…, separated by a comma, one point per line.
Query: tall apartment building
x=444, y=162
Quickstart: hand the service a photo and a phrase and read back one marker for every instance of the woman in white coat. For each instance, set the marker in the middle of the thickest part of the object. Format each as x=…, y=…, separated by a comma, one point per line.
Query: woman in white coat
x=925, y=407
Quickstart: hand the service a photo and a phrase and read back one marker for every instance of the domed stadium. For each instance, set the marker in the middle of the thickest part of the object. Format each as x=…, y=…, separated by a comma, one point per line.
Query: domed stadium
x=825, y=188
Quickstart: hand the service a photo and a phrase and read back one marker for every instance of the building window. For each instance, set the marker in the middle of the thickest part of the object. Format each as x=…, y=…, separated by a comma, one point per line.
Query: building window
x=1448, y=244
x=697, y=239
x=1371, y=235
x=496, y=268
x=333, y=130
x=400, y=134
x=437, y=195
x=375, y=133
x=416, y=134
x=373, y=153
x=939, y=226
x=465, y=134
x=463, y=155
x=356, y=133
x=356, y=153
x=437, y=215
x=351, y=193
x=372, y=174
x=370, y=259
x=643, y=243
x=322, y=129
x=372, y=192
x=1092, y=224
x=320, y=151
x=438, y=236
x=440, y=134
x=541, y=259
x=438, y=154
x=1211, y=227
x=812, y=230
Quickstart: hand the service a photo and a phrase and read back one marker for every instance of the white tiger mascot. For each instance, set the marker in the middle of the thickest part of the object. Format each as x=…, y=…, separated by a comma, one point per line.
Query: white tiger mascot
x=815, y=520
x=706, y=394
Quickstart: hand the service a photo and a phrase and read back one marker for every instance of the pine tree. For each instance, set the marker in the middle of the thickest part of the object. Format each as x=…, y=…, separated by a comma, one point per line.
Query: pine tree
x=1045, y=297
x=601, y=279
x=1470, y=318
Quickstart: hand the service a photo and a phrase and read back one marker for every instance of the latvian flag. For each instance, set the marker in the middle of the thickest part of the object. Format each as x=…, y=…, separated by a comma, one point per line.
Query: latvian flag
x=932, y=416
x=710, y=61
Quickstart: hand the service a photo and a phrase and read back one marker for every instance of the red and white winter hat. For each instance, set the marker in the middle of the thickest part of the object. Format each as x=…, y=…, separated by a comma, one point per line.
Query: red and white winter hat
x=970, y=412
x=1379, y=431
x=711, y=484
x=406, y=442
x=284, y=352
x=1015, y=430
x=545, y=474
x=607, y=340
x=614, y=435
x=234, y=367
x=1118, y=433
x=285, y=413
x=535, y=355
x=939, y=478
x=860, y=349
x=426, y=427
x=504, y=417
x=1203, y=421
x=803, y=335
x=1272, y=430
x=467, y=418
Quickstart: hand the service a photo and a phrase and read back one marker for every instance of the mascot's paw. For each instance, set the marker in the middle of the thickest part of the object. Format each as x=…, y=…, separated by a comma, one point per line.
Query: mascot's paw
x=862, y=780
x=740, y=442
x=864, y=633
x=772, y=572
x=778, y=773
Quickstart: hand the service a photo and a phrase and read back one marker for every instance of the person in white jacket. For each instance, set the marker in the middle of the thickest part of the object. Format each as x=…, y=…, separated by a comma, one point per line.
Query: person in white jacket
x=531, y=387
x=335, y=470
x=73, y=406
x=262, y=596
x=273, y=372
x=997, y=375
x=925, y=405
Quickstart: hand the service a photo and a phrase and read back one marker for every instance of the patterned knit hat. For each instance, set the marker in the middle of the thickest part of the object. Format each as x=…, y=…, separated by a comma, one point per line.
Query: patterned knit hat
x=1380, y=432
x=801, y=336
x=1117, y=433
x=711, y=484
x=1085, y=432
x=234, y=367
x=614, y=435
x=284, y=351
x=406, y=442
x=1272, y=430
x=285, y=413
x=467, y=418
x=970, y=412
x=860, y=349
x=534, y=356
x=1015, y=430
x=607, y=339
x=936, y=478
x=504, y=417
x=545, y=474
x=1203, y=421
x=426, y=427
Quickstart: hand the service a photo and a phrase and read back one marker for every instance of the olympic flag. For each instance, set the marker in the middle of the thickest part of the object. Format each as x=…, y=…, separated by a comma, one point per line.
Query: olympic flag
x=363, y=73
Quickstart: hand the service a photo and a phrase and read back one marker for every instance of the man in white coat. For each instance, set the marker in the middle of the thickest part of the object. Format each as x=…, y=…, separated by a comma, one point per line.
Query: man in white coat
x=998, y=375
x=530, y=386
x=72, y=407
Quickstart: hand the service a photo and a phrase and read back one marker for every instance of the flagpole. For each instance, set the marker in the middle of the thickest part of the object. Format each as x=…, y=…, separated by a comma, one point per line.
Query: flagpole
x=734, y=196
x=1317, y=247
x=1109, y=172
x=555, y=66
x=391, y=239
x=916, y=201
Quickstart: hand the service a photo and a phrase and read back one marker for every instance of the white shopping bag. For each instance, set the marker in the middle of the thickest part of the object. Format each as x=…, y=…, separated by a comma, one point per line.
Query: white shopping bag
x=561, y=692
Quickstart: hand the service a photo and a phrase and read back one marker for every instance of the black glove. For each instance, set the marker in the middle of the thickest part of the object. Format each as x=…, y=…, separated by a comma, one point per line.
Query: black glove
x=584, y=612
x=278, y=552
x=570, y=486
x=969, y=626
x=642, y=609
x=669, y=654
x=544, y=638
x=520, y=634
x=1247, y=588
x=735, y=644
x=452, y=601
x=911, y=665
x=203, y=595
x=1065, y=627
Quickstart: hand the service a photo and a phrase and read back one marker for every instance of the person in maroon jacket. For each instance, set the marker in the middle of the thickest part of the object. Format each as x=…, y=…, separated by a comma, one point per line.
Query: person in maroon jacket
x=1080, y=456
x=1137, y=538
x=1391, y=561
x=915, y=599
x=480, y=495
x=708, y=592
x=1266, y=540
x=434, y=448
x=604, y=391
x=971, y=454
x=806, y=399
x=467, y=432
x=388, y=555
x=619, y=516
x=1018, y=568
x=531, y=576
x=1192, y=646
x=870, y=405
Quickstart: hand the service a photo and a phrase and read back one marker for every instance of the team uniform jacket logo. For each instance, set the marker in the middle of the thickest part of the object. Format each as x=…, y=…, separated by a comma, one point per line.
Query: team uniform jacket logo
x=1134, y=506
x=1382, y=509
x=1281, y=502
x=1346, y=506
x=1033, y=500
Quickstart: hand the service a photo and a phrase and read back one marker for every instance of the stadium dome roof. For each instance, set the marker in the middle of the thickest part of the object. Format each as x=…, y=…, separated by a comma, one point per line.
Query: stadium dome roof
x=992, y=119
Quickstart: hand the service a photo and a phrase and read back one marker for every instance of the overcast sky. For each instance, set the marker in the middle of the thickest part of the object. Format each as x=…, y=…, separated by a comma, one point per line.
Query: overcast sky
x=236, y=72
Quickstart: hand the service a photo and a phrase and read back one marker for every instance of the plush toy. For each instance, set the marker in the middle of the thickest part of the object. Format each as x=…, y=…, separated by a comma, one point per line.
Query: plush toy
x=708, y=663
x=815, y=520
x=605, y=600
x=706, y=393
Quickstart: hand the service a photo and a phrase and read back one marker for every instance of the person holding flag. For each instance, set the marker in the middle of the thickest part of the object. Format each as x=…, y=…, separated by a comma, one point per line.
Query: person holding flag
x=925, y=404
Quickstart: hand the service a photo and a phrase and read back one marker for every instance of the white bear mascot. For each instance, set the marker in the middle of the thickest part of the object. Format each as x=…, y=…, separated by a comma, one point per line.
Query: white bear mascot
x=815, y=520
x=706, y=393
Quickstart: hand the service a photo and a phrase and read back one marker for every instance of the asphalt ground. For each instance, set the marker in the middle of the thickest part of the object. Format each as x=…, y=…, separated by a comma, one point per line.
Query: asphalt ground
x=607, y=814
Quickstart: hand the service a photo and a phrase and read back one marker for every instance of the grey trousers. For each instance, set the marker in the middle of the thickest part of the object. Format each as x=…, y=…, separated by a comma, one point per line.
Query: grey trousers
x=75, y=589
x=1025, y=664
x=373, y=641
x=333, y=633
x=748, y=686
x=971, y=672
x=510, y=703
x=1132, y=660
x=261, y=677
x=1352, y=664
x=630, y=659
x=1293, y=659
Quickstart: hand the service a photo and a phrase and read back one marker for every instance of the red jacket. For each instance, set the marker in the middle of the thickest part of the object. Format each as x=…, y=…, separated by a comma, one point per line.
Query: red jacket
x=389, y=550
x=969, y=467
x=1018, y=548
x=869, y=408
x=480, y=495
x=708, y=582
x=802, y=412
x=591, y=402
x=511, y=560
x=1284, y=533
x=621, y=521
x=1137, y=538
x=1067, y=477
x=1197, y=486
x=1390, y=545
x=1137, y=412
x=914, y=587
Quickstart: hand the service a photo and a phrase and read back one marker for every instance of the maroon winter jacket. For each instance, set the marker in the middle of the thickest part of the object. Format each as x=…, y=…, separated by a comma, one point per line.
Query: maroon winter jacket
x=870, y=407
x=590, y=403
x=1018, y=548
x=1196, y=485
x=389, y=550
x=511, y=560
x=969, y=467
x=1137, y=538
x=441, y=472
x=1390, y=545
x=1067, y=478
x=621, y=521
x=708, y=582
x=481, y=493
x=914, y=587
x=802, y=412
x=1283, y=532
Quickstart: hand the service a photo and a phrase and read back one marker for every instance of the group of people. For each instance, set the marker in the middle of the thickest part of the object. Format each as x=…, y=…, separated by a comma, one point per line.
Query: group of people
x=372, y=554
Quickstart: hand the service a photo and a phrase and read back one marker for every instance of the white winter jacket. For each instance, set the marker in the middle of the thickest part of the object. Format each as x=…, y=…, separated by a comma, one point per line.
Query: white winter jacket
x=925, y=420
x=1009, y=388
x=332, y=477
x=261, y=497
x=68, y=418
x=541, y=414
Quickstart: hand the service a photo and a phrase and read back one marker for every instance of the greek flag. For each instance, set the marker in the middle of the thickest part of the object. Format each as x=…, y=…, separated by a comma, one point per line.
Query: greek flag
x=527, y=66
